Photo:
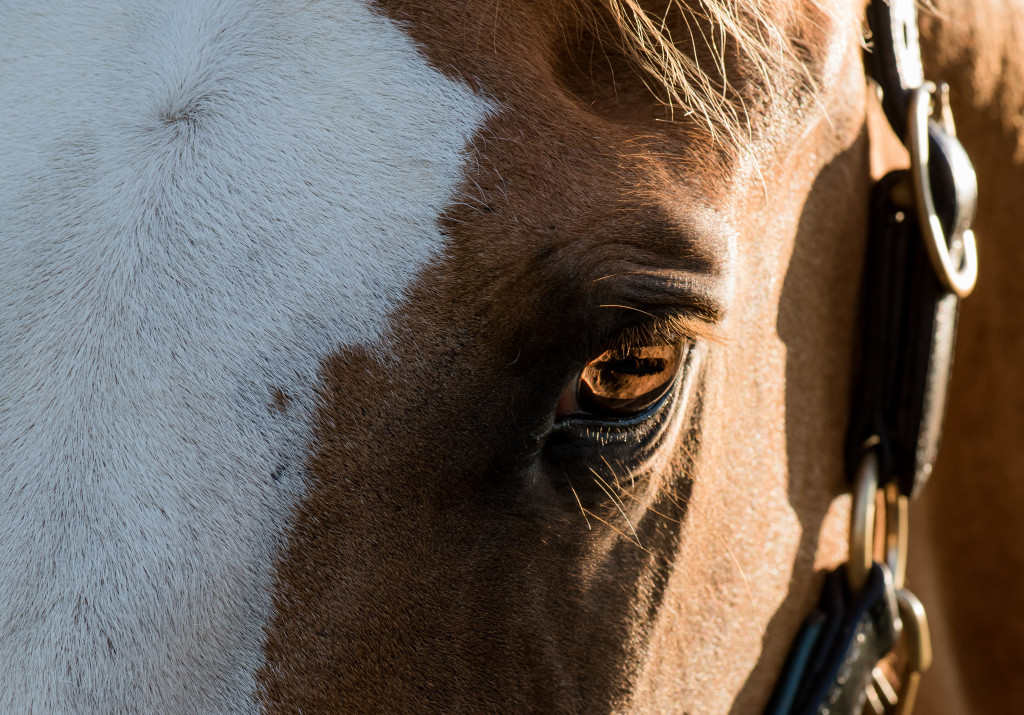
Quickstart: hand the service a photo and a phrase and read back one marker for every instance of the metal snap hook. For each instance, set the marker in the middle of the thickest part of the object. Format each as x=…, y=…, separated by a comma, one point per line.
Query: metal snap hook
x=958, y=278
x=919, y=648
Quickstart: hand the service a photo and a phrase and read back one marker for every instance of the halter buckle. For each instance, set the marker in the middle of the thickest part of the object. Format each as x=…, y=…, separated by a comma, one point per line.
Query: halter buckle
x=910, y=622
x=882, y=697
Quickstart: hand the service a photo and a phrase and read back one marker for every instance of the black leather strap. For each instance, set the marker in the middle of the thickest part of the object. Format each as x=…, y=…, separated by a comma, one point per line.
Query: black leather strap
x=909, y=332
x=894, y=56
x=909, y=316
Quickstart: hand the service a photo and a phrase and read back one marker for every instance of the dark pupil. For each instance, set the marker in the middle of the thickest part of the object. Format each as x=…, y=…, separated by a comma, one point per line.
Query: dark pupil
x=636, y=366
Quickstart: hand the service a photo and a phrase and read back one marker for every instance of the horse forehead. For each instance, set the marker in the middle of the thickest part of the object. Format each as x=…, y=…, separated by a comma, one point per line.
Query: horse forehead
x=199, y=207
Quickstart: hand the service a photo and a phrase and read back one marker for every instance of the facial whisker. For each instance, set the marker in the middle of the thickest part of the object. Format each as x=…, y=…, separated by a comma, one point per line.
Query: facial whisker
x=651, y=508
x=582, y=510
x=619, y=532
x=612, y=471
x=618, y=505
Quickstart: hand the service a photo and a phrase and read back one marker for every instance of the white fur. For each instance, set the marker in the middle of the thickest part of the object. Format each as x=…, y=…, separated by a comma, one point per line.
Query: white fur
x=199, y=201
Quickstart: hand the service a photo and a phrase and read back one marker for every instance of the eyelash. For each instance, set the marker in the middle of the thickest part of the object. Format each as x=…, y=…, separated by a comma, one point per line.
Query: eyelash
x=659, y=330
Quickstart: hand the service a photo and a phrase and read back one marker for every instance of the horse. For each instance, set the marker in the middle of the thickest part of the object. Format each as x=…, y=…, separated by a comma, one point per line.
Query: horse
x=471, y=356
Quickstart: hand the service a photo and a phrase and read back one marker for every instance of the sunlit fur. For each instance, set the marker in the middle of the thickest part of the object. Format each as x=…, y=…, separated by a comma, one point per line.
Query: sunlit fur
x=289, y=292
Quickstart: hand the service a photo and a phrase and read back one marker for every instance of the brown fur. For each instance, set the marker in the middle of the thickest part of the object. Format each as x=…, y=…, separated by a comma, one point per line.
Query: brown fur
x=968, y=535
x=437, y=563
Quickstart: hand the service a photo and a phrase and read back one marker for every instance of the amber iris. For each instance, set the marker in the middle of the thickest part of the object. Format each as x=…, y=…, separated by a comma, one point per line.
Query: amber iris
x=623, y=381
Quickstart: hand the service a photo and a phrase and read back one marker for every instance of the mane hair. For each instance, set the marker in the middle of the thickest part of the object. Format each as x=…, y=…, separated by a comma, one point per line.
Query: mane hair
x=714, y=60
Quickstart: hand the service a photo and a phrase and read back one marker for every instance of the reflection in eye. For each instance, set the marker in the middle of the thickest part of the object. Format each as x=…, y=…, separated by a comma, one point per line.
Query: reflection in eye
x=623, y=381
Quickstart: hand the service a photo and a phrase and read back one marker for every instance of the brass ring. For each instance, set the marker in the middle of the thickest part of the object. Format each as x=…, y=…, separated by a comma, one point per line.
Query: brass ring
x=862, y=521
x=896, y=534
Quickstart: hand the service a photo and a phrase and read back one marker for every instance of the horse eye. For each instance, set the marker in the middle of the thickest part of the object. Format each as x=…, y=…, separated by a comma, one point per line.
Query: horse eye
x=622, y=382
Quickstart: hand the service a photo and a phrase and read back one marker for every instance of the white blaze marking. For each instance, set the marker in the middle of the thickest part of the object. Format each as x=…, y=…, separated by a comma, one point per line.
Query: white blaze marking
x=199, y=201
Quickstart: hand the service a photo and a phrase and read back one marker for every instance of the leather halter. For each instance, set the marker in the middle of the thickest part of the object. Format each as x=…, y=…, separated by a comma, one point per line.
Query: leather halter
x=921, y=260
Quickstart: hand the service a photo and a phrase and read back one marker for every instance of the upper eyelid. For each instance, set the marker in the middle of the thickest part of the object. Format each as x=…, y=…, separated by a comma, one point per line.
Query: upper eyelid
x=661, y=326
x=699, y=294
x=662, y=330
x=694, y=300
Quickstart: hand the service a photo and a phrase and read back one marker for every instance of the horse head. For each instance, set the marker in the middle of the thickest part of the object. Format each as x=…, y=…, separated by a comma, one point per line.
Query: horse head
x=425, y=356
